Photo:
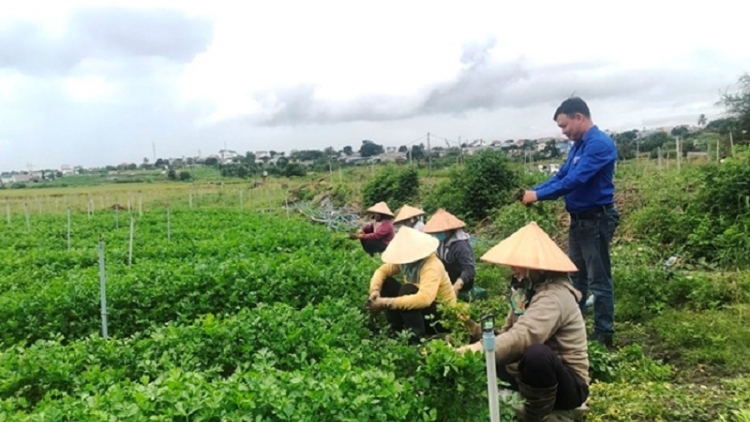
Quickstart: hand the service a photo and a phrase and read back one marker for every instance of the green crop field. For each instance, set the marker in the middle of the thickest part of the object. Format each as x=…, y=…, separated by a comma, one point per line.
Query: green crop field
x=234, y=306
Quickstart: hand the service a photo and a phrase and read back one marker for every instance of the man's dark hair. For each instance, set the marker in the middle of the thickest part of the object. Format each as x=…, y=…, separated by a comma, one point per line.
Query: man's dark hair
x=571, y=106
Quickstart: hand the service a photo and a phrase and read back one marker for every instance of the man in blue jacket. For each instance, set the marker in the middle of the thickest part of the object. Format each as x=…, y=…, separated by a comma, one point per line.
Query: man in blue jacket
x=586, y=182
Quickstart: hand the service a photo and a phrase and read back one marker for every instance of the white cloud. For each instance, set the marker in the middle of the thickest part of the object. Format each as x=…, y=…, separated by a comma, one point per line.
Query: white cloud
x=114, y=76
x=89, y=88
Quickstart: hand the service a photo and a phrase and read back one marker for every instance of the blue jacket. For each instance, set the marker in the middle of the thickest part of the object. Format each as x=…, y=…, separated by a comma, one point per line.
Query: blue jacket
x=586, y=178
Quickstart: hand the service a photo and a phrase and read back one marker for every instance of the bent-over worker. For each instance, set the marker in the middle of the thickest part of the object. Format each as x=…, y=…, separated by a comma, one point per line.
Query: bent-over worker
x=542, y=350
x=412, y=304
x=455, y=250
x=376, y=236
x=409, y=216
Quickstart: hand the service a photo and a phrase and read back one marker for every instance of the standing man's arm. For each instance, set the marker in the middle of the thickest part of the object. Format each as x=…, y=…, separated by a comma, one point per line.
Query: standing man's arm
x=557, y=176
x=594, y=158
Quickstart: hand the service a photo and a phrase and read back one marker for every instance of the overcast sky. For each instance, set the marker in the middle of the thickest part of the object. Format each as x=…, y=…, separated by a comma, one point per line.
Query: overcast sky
x=97, y=82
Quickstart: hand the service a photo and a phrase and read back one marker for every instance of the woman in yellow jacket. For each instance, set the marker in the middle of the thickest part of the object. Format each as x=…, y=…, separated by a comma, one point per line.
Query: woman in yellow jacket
x=407, y=305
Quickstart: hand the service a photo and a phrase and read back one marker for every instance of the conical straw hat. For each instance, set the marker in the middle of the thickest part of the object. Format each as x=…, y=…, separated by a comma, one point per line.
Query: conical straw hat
x=443, y=221
x=530, y=247
x=406, y=212
x=380, y=208
x=409, y=245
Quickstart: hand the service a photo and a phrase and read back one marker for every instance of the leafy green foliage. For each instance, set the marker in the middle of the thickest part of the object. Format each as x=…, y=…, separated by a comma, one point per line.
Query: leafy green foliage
x=738, y=103
x=629, y=364
x=644, y=293
x=396, y=186
x=712, y=337
x=370, y=148
x=477, y=189
x=237, y=317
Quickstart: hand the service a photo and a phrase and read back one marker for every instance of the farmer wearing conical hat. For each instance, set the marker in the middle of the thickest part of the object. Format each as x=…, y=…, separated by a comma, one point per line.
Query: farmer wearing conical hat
x=455, y=250
x=376, y=236
x=542, y=348
x=409, y=216
x=409, y=305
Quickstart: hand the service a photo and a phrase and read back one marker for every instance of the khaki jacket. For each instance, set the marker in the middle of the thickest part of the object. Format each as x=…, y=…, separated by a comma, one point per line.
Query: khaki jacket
x=552, y=318
x=433, y=284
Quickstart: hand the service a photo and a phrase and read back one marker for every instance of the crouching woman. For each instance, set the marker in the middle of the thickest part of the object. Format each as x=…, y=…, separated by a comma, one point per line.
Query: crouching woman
x=411, y=305
x=541, y=350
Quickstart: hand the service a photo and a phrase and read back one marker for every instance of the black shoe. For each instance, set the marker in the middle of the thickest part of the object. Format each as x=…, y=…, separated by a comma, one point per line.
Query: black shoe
x=603, y=339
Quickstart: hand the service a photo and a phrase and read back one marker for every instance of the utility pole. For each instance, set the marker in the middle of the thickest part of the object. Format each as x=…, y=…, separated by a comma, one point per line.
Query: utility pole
x=637, y=154
x=153, y=150
x=460, y=151
x=429, y=151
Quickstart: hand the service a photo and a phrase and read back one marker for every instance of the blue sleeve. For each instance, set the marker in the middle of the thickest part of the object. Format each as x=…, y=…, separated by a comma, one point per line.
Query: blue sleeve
x=595, y=156
x=557, y=176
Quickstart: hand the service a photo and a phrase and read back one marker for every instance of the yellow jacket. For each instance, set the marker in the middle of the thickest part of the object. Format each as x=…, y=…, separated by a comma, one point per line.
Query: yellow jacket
x=433, y=284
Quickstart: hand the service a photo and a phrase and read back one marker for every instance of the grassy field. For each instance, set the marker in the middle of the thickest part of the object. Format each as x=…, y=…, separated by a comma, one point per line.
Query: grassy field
x=681, y=332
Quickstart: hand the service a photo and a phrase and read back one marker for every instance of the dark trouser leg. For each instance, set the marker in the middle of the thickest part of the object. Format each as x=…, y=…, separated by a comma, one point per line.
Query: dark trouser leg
x=589, y=243
x=540, y=368
x=391, y=288
x=418, y=321
x=372, y=246
x=580, y=279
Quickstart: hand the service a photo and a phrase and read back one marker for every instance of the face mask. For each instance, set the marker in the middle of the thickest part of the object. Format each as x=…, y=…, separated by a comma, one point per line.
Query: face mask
x=440, y=236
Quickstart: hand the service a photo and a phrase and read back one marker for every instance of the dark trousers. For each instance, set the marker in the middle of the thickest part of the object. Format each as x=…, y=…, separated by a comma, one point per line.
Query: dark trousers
x=540, y=367
x=421, y=322
x=588, y=247
x=373, y=246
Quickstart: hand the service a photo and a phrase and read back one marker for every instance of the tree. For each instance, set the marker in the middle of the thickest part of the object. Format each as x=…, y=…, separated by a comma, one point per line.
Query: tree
x=550, y=149
x=330, y=152
x=474, y=191
x=185, y=176
x=680, y=131
x=272, y=153
x=161, y=162
x=737, y=105
x=308, y=155
x=417, y=152
x=348, y=150
x=654, y=141
x=702, y=120
x=393, y=185
x=403, y=148
x=369, y=149
x=722, y=126
x=249, y=157
x=172, y=175
x=294, y=169
x=145, y=160
x=132, y=166
x=212, y=161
